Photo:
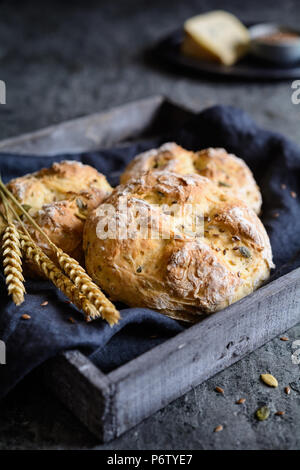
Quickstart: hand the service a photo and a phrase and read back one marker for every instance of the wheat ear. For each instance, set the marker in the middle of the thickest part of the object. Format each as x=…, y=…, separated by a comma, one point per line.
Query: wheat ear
x=33, y=253
x=85, y=284
x=75, y=272
x=12, y=263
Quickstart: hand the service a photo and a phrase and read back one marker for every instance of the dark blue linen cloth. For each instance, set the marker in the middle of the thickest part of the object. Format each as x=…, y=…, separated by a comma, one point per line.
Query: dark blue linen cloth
x=275, y=162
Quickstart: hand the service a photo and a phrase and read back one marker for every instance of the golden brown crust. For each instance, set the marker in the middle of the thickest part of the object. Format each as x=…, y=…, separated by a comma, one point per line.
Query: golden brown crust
x=59, y=199
x=183, y=275
x=228, y=171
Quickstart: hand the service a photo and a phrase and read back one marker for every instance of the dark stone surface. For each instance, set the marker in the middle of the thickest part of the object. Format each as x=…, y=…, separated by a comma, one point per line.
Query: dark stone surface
x=60, y=62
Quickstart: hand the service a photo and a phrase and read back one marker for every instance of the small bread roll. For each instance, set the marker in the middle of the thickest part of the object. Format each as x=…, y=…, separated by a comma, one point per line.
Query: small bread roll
x=180, y=273
x=59, y=198
x=228, y=171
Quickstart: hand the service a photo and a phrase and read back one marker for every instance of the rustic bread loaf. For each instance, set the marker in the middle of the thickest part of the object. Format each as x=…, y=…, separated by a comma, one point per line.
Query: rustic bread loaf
x=59, y=198
x=228, y=171
x=186, y=272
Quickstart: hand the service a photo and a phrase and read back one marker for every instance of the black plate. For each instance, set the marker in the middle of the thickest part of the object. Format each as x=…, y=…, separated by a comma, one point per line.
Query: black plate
x=247, y=68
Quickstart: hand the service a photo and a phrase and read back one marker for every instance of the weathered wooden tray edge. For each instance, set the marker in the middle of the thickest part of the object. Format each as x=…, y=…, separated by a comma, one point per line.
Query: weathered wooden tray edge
x=103, y=129
x=86, y=133
x=111, y=404
x=121, y=399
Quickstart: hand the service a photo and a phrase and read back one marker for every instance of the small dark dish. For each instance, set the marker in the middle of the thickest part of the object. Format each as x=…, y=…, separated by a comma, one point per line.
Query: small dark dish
x=275, y=43
x=250, y=67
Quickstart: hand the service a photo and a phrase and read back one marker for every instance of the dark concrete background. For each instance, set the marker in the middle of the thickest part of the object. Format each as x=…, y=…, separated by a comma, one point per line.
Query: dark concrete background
x=63, y=61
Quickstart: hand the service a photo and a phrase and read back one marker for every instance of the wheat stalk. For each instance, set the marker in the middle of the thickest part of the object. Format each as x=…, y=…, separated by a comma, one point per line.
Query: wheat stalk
x=75, y=272
x=12, y=263
x=33, y=253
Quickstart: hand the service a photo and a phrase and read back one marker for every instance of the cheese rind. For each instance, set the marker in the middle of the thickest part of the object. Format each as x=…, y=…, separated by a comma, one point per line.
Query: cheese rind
x=217, y=36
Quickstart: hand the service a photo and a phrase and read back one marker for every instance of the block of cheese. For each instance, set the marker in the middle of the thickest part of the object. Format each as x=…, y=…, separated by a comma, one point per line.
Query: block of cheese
x=216, y=36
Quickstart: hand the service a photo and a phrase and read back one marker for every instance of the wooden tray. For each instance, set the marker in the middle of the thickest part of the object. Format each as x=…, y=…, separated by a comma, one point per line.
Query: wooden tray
x=110, y=404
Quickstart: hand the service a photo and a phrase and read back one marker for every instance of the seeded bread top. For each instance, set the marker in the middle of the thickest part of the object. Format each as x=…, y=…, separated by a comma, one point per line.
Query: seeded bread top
x=226, y=170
